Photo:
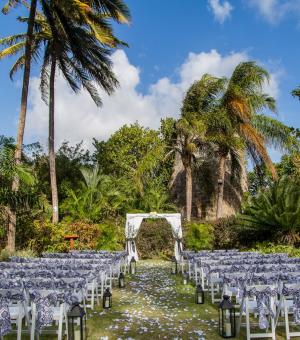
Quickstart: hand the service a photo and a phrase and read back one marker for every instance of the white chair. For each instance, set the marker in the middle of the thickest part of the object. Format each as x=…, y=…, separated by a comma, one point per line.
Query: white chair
x=59, y=316
x=17, y=308
x=287, y=305
x=251, y=304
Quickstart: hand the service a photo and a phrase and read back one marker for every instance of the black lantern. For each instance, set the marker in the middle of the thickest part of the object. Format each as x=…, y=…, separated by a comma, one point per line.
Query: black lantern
x=226, y=318
x=174, y=266
x=199, y=295
x=121, y=280
x=107, y=299
x=185, y=278
x=132, y=266
x=76, y=323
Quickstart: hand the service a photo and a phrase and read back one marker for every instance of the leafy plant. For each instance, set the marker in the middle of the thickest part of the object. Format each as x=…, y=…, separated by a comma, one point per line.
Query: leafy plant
x=274, y=214
x=225, y=233
x=155, y=239
x=272, y=248
x=198, y=236
x=97, y=197
x=112, y=235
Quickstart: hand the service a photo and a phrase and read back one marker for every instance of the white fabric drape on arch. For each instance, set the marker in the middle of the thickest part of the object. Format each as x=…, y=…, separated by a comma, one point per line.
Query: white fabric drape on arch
x=133, y=224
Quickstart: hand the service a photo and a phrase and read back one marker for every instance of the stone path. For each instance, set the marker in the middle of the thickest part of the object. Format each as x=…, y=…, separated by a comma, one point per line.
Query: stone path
x=155, y=305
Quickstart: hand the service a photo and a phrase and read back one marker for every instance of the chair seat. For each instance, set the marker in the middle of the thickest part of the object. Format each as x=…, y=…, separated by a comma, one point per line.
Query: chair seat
x=14, y=312
x=56, y=313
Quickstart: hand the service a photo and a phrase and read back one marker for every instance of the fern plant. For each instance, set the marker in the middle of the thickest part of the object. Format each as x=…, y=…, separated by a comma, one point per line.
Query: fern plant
x=274, y=214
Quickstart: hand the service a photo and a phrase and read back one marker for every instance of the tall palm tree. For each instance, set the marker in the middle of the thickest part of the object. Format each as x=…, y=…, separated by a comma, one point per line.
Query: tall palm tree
x=220, y=132
x=89, y=64
x=23, y=109
x=201, y=98
x=190, y=132
x=243, y=100
x=62, y=36
x=234, y=120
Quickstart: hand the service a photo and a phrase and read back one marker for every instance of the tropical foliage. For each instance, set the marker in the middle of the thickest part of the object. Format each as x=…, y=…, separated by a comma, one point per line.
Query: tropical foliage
x=76, y=37
x=274, y=213
x=199, y=236
x=224, y=119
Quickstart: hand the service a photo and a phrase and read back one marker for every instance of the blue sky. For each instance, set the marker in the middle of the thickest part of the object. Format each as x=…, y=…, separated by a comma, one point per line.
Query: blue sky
x=171, y=44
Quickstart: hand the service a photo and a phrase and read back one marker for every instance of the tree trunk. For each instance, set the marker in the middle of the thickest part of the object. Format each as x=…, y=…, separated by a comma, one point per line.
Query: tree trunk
x=189, y=191
x=51, y=144
x=11, y=232
x=221, y=180
x=11, y=241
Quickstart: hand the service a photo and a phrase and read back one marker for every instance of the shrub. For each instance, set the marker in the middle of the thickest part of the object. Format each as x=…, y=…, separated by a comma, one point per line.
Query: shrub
x=112, y=236
x=49, y=237
x=225, y=233
x=5, y=255
x=155, y=239
x=198, y=236
x=25, y=253
x=270, y=248
x=274, y=214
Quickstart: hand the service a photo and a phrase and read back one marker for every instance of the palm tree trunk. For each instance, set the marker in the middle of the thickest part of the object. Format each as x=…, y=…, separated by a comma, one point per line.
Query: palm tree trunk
x=189, y=191
x=52, y=166
x=221, y=180
x=11, y=233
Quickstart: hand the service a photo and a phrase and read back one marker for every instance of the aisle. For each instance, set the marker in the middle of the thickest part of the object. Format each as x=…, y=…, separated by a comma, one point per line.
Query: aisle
x=155, y=305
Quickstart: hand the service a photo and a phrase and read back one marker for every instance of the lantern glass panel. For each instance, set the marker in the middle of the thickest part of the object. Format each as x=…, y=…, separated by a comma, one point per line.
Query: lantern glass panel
x=226, y=318
x=199, y=295
x=132, y=266
x=121, y=280
x=174, y=266
x=77, y=323
x=185, y=278
x=107, y=299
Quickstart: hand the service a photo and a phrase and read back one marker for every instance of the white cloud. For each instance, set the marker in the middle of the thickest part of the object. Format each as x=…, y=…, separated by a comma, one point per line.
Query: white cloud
x=275, y=10
x=220, y=10
x=77, y=117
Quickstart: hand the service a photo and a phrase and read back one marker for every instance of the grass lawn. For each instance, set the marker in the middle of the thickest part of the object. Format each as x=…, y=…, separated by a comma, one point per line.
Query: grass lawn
x=154, y=305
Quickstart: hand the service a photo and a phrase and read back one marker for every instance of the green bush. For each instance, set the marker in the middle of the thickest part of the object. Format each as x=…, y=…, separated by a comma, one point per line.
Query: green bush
x=25, y=253
x=112, y=236
x=49, y=237
x=225, y=233
x=274, y=214
x=5, y=254
x=155, y=239
x=270, y=248
x=198, y=236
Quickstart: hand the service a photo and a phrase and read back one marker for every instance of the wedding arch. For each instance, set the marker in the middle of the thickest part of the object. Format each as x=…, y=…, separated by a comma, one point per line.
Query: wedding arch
x=133, y=224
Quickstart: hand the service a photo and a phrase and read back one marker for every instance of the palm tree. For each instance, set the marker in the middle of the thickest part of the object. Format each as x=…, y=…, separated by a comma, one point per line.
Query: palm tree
x=231, y=112
x=82, y=66
x=201, y=98
x=190, y=132
x=221, y=134
x=98, y=196
x=23, y=109
x=243, y=100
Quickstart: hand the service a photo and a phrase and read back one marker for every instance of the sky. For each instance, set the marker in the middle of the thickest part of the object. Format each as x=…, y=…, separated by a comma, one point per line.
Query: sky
x=172, y=43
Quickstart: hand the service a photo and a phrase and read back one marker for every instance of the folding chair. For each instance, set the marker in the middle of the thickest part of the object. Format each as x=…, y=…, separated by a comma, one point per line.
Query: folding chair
x=16, y=306
x=259, y=299
x=289, y=297
x=58, y=311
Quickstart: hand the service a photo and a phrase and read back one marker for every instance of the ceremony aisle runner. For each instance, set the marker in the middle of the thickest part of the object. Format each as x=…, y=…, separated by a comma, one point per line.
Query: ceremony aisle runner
x=155, y=305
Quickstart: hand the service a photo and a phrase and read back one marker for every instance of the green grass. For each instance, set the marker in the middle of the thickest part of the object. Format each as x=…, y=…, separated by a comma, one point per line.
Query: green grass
x=155, y=305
